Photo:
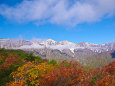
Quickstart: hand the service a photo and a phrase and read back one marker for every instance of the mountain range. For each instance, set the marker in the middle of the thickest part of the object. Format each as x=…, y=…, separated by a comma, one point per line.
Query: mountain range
x=84, y=52
x=51, y=44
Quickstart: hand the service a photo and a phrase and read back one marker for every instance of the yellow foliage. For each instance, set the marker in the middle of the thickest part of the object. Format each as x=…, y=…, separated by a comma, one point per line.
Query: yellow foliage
x=31, y=72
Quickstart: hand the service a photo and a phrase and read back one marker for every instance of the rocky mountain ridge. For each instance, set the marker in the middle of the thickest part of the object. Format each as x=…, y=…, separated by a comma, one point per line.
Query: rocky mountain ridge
x=51, y=44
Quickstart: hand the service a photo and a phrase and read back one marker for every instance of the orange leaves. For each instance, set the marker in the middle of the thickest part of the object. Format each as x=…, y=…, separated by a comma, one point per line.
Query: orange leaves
x=9, y=60
x=1, y=56
x=39, y=72
x=20, y=83
x=107, y=80
x=108, y=76
x=31, y=72
x=62, y=74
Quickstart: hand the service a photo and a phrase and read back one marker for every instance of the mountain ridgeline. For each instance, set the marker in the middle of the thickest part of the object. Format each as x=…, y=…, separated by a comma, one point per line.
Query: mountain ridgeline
x=51, y=44
x=83, y=52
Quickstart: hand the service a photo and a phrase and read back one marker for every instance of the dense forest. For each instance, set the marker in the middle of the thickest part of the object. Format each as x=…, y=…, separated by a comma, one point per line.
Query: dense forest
x=18, y=68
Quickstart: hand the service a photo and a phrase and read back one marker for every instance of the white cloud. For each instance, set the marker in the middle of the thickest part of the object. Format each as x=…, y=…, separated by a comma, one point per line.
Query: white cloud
x=59, y=11
x=31, y=47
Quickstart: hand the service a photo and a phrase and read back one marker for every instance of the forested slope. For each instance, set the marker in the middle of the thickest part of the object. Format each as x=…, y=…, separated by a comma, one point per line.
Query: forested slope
x=18, y=68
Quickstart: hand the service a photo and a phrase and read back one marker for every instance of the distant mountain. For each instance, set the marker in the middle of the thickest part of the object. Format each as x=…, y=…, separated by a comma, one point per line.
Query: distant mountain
x=51, y=44
x=83, y=52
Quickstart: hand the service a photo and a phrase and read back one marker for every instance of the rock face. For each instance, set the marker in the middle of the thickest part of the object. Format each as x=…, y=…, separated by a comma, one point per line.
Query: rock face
x=13, y=43
x=83, y=52
x=51, y=44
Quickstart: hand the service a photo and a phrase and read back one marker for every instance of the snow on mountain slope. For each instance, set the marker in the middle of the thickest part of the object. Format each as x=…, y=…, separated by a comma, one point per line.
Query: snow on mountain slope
x=66, y=42
x=51, y=44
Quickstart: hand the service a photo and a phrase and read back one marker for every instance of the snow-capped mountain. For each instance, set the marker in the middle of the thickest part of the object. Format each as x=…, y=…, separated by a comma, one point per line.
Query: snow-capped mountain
x=51, y=44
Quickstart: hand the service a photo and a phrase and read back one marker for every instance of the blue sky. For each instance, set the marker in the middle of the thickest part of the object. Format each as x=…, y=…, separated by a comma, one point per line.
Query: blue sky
x=78, y=21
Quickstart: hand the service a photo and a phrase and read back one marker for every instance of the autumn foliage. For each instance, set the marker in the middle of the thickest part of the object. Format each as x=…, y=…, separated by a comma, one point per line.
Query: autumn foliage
x=35, y=71
x=10, y=60
x=62, y=74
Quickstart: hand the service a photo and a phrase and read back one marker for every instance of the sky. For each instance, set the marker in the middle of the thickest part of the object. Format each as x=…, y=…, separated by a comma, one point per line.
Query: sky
x=76, y=21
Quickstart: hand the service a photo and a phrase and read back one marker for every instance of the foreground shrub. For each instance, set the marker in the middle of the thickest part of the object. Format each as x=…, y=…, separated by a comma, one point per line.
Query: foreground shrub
x=10, y=60
x=30, y=73
x=45, y=74
x=17, y=68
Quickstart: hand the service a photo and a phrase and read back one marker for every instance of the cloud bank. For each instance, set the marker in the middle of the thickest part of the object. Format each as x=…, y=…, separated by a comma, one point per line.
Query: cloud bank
x=62, y=12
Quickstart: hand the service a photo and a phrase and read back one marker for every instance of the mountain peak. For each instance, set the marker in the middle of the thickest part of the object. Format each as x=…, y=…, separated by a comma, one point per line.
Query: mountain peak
x=50, y=40
x=86, y=44
x=66, y=42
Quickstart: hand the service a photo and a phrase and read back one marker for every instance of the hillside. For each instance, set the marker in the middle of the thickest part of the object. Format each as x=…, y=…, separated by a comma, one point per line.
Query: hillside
x=18, y=68
x=64, y=50
x=10, y=60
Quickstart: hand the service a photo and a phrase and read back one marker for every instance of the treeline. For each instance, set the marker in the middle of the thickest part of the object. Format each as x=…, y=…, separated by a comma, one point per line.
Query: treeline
x=18, y=68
